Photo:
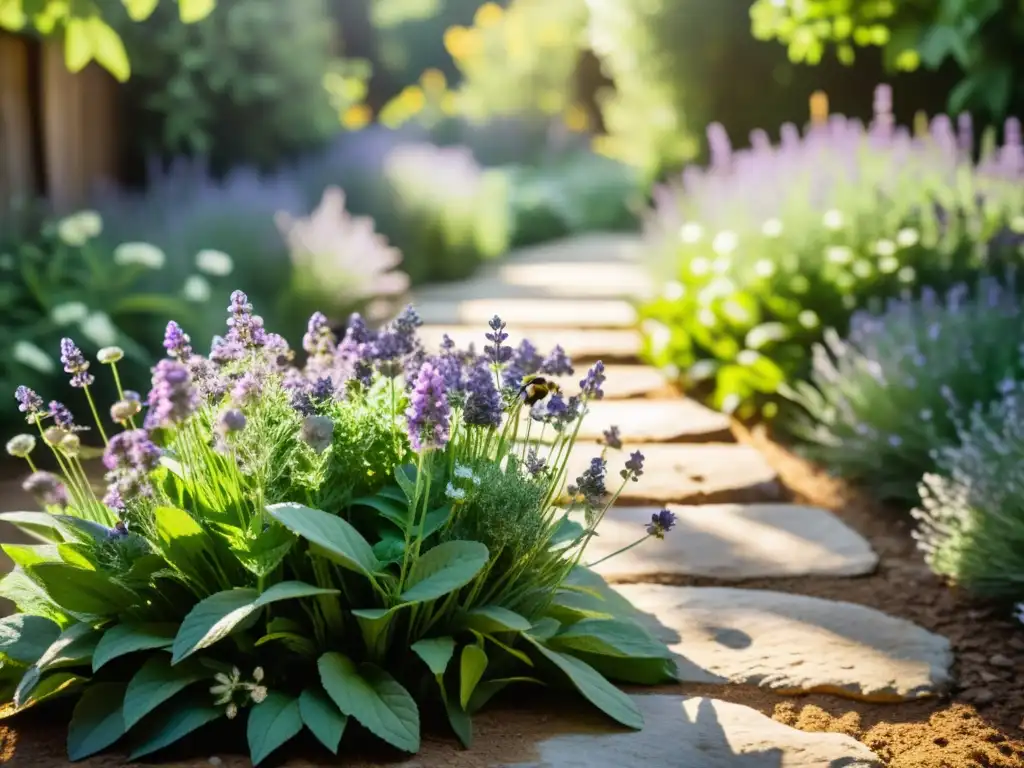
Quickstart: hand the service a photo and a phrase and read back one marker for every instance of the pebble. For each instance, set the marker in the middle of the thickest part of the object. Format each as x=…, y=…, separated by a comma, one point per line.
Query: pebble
x=978, y=696
x=999, y=660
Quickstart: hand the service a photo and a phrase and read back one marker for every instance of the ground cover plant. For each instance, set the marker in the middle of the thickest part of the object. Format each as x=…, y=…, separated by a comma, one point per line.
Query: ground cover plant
x=766, y=248
x=340, y=544
x=880, y=403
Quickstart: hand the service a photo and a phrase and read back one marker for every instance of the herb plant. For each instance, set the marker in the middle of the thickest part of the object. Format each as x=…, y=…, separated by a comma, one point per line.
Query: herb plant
x=316, y=547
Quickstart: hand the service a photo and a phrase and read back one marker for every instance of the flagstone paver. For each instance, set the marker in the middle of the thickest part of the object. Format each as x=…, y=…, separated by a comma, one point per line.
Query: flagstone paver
x=687, y=474
x=624, y=382
x=695, y=732
x=531, y=313
x=732, y=541
x=602, y=247
x=652, y=421
x=581, y=345
x=792, y=643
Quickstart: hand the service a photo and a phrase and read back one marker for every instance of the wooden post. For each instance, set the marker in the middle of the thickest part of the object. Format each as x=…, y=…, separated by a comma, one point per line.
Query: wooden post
x=17, y=177
x=62, y=122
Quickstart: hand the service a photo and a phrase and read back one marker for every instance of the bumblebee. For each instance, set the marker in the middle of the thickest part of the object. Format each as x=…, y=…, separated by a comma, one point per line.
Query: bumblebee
x=536, y=388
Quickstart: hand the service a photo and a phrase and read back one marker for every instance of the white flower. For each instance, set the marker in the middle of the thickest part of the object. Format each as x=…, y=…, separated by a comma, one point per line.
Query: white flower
x=808, y=318
x=700, y=266
x=707, y=318
x=907, y=275
x=196, y=289
x=463, y=472
x=109, y=355
x=216, y=263
x=735, y=312
x=725, y=242
x=674, y=291
x=98, y=328
x=833, y=219
x=90, y=222
x=69, y=312
x=258, y=694
x=888, y=264
x=907, y=237
x=771, y=228
x=21, y=446
x=885, y=248
x=691, y=232
x=232, y=711
x=31, y=356
x=257, y=674
x=764, y=267
x=143, y=254
x=839, y=254
x=76, y=230
x=458, y=494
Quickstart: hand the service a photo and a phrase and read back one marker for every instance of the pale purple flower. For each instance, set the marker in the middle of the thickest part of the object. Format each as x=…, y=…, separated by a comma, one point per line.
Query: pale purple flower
x=47, y=489
x=590, y=484
x=177, y=342
x=29, y=403
x=483, y=403
x=525, y=361
x=496, y=351
x=534, y=464
x=612, y=438
x=429, y=414
x=61, y=415
x=634, y=467
x=591, y=385
x=75, y=364
x=557, y=363
x=243, y=327
x=230, y=420
x=322, y=390
x=319, y=339
x=247, y=389
x=172, y=398
x=130, y=457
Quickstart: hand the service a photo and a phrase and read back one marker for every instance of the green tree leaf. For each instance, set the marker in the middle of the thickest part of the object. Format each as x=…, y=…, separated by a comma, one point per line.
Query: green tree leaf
x=78, y=590
x=322, y=717
x=472, y=665
x=25, y=638
x=140, y=10
x=154, y=683
x=446, y=567
x=75, y=645
x=28, y=597
x=494, y=618
x=97, y=721
x=329, y=535
x=374, y=698
x=436, y=653
x=192, y=11
x=177, y=719
x=610, y=637
x=123, y=639
x=272, y=722
x=594, y=688
x=77, y=44
x=108, y=49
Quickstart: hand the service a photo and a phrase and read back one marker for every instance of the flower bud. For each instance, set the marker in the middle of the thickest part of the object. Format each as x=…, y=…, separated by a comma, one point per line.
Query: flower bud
x=70, y=444
x=53, y=435
x=230, y=420
x=21, y=445
x=123, y=410
x=109, y=355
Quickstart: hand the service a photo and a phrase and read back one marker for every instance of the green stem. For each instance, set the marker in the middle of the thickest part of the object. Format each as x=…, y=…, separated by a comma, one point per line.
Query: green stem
x=95, y=414
x=31, y=464
x=618, y=551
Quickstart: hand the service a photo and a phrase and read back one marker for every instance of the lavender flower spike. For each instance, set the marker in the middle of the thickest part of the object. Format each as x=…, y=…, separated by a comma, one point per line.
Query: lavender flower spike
x=75, y=364
x=612, y=438
x=483, y=403
x=661, y=523
x=429, y=415
x=245, y=328
x=557, y=363
x=29, y=403
x=634, y=467
x=592, y=383
x=319, y=339
x=177, y=342
x=172, y=398
x=497, y=353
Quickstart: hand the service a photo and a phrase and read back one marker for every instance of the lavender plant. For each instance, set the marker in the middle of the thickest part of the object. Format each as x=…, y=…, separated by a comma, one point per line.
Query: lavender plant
x=881, y=402
x=767, y=247
x=970, y=521
x=354, y=539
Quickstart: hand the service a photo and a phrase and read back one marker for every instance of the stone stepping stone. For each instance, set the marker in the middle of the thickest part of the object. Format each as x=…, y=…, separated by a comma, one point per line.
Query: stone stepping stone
x=793, y=644
x=696, y=732
x=687, y=474
x=531, y=313
x=585, y=279
x=602, y=247
x=580, y=345
x=731, y=541
x=623, y=382
x=650, y=421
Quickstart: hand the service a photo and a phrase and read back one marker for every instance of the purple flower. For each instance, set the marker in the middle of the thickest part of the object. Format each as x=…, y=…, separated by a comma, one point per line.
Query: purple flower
x=450, y=368
x=496, y=352
x=551, y=410
x=47, y=489
x=319, y=339
x=591, y=384
x=322, y=390
x=247, y=389
x=172, y=398
x=590, y=484
x=130, y=456
x=177, y=342
x=534, y=464
x=119, y=531
x=634, y=467
x=75, y=364
x=61, y=415
x=29, y=403
x=612, y=438
x=112, y=498
x=230, y=420
x=225, y=351
x=483, y=403
x=557, y=363
x=661, y=523
x=243, y=327
x=428, y=414
x=525, y=361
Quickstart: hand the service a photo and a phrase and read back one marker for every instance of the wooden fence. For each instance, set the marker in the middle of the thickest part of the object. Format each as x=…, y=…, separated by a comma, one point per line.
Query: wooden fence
x=58, y=131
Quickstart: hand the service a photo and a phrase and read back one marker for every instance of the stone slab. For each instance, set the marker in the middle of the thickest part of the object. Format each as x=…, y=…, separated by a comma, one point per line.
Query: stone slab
x=543, y=280
x=793, y=644
x=531, y=313
x=601, y=247
x=708, y=473
x=694, y=732
x=651, y=421
x=623, y=382
x=580, y=345
x=732, y=541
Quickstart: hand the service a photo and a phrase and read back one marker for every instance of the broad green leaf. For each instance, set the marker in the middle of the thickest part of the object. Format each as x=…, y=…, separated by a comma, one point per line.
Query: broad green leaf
x=140, y=10
x=108, y=49
x=645, y=671
x=472, y=665
x=29, y=597
x=373, y=624
x=97, y=721
x=123, y=639
x=488, y=689
x=570, y=607
x=435, y=520
x=397, y=513
x=51, y=686
x=25, y=638
x=175, y=720
x=594, y=688
x=445, y=568
x=436, y=653
x=393, y=493
x=75, y=645
x=567, y=532
x=322, y=717
x=192, y=11
x=330, y=536
x=374, y=698
x=27, y=555
x=291, y=640
x=494, y=618
x=77, y=44
x=79, y=529
x=609, y=637
x=154, y=683
x=41, y=525
x=405, y=476
x=390, y=549
x=482, y=636
x=76, y=555
x=461, y=722
x=272, y=722
x=263, y=555
x=545, y=628
x=144, y=567
x=186, y=546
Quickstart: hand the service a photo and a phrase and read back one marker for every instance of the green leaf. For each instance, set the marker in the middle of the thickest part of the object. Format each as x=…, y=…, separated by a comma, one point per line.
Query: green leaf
x=388, y=509
x=567, y=532
x=140, y=10
x=154, y=683
x=435, y=520
x=97, y=721
x=405, y=476
x=594, y=688
x=108, y=49
x=129, y=638
x=29, y=597
x=49, y=687
x=77, y=555
x=272, y=723
x=390, y=549
x=494, y=618
x=75, y=645
x=610, y=637
x=488, y=689
x=461, y=722
x=186, y=546
x=322, y=717
x=77, y=44
x=507, y=648
x=27, y=555
x=40, y=525
x=646, y=671
x=25, y=638
x=446, y=567
x=374, y=698
x=262, y=556
x=192, y=11
x=569, y=607
x=373, y=624
x=330, y=536
x=436, y=653
x=472, y=665
x=177, y=719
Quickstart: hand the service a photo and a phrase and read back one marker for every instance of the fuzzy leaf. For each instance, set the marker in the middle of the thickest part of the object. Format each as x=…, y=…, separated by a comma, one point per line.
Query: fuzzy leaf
x=647, y=671
x=97, y=721
x=494, y=618
x=123, y=639
x=373, y=624
x=436, y=653
x=40, y=525
x=330, y=536
x=75, y=645
x=180, y=717
x=594, y=688
x=322, y=717
x=567, y=532
x=272, y=723
x=374, y=698
x=405, y=476
x=28, y=597
x=266, y=552
x=78, y=555
x=571, y=606
x=472, y=665
x=25, y=638
x=443, y=569
x=154, y=683
x=609, y=637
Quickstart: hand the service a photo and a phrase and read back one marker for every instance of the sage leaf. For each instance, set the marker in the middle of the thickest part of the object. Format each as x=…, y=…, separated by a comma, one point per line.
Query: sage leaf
x=272, y=723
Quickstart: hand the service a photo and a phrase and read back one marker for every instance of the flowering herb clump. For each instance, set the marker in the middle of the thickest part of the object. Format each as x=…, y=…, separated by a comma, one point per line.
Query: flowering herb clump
x=767, y=247
x=880, y=402
x=355, y=539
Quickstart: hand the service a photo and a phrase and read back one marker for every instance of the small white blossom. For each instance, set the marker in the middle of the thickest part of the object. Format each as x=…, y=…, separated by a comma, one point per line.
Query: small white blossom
x=707, y=318
x=457, y=494
x=725, y=242
x=736, y=312
x=31, y=356
x=76, y=230
x=691, y=232
x=907, y=237
x=99, y=329
x=702, y=369
x=21, y=446
x=258, y=694
x=231, y=712
x=833, y=219
x=257, y=674
x=143, y=254
x=885, y=248
x=216, y=263
x=109, y=355
x=196, y=289
x=464, y=473
x=765, y=333
x=90, y=222
x=71, y=444
x=771, y=228
x=69, y=312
